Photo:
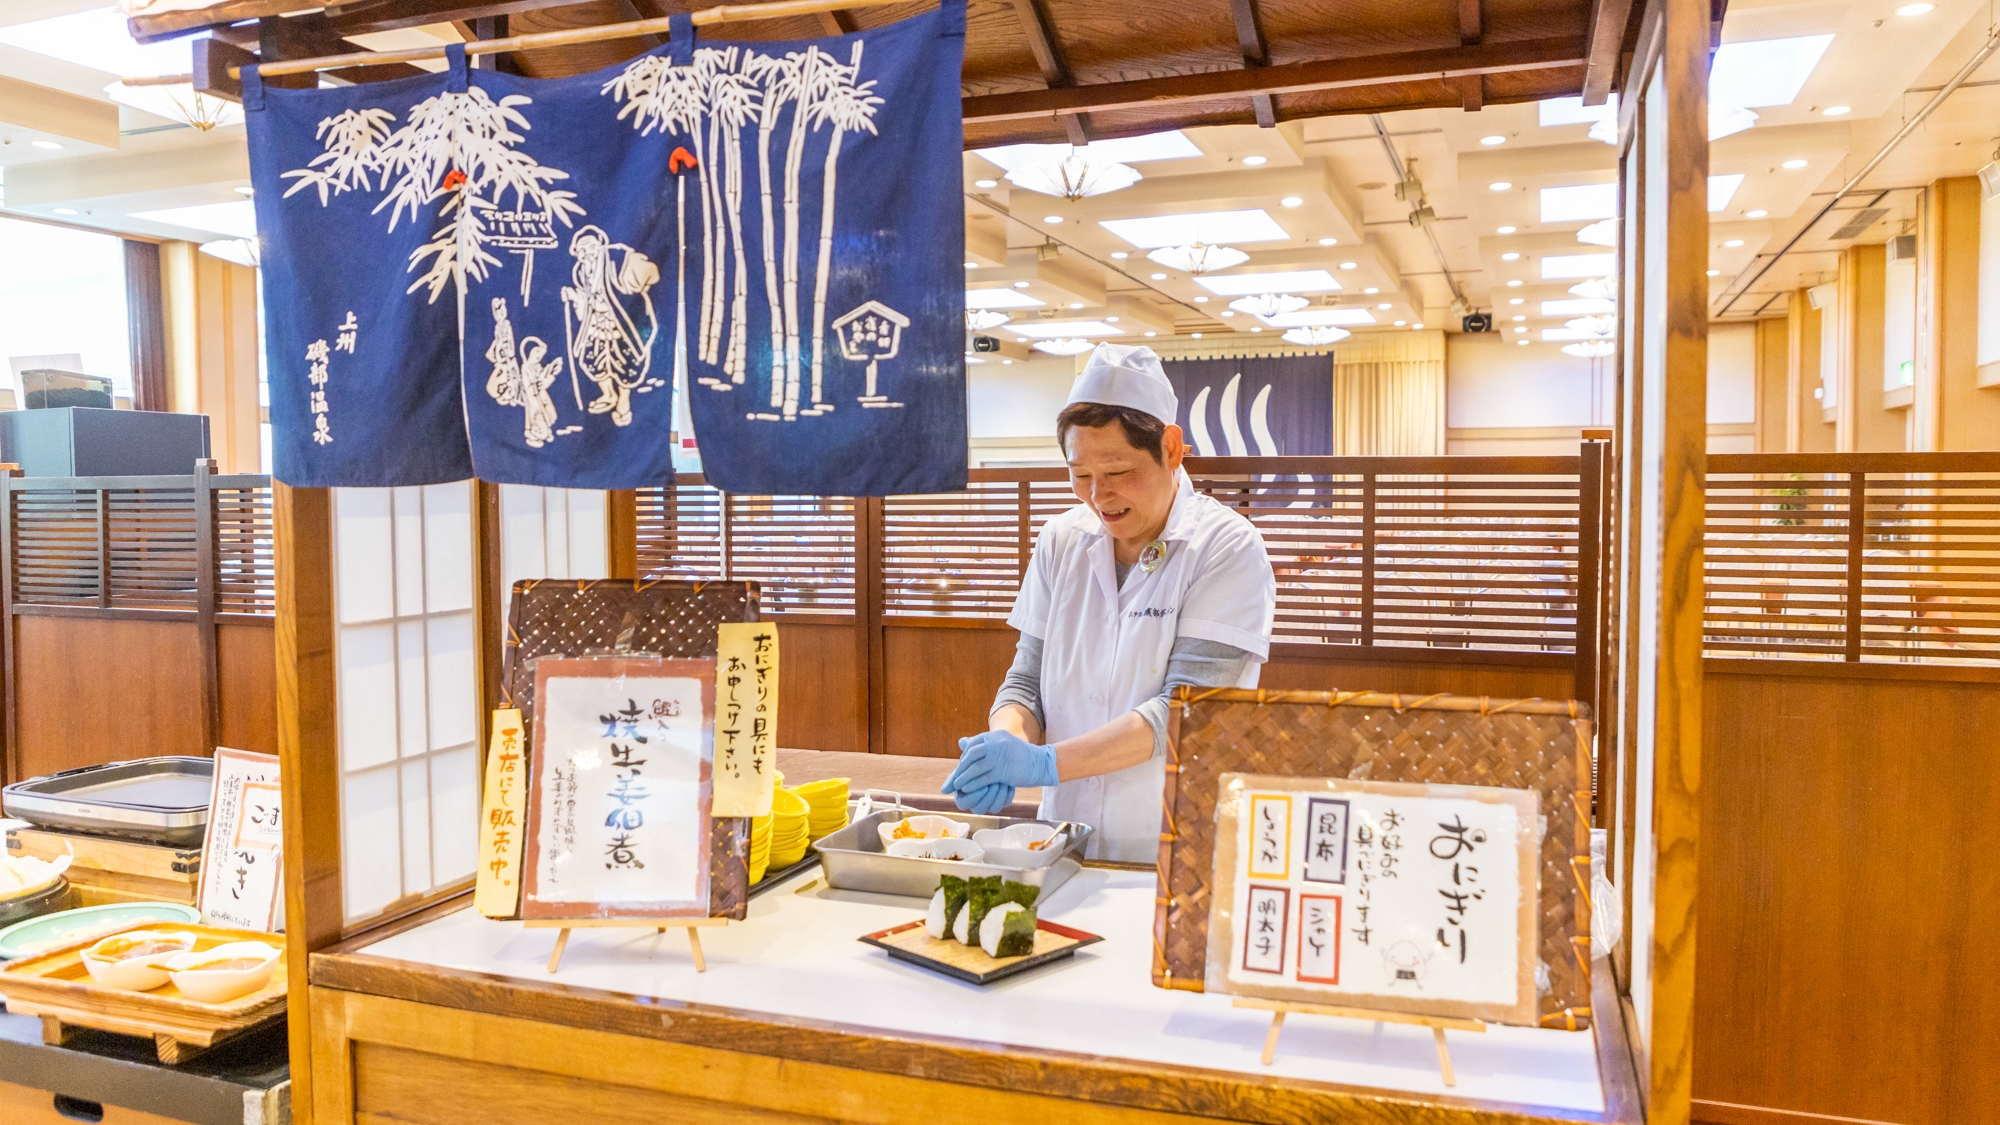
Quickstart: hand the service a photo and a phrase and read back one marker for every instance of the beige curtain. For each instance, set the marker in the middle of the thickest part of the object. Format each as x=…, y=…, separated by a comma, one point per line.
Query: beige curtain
x=1388, y=395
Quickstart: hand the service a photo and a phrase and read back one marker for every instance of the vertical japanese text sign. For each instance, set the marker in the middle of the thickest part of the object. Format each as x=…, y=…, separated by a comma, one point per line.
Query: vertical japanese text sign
x=498, y=894
x=746, y=718
x=242, y=870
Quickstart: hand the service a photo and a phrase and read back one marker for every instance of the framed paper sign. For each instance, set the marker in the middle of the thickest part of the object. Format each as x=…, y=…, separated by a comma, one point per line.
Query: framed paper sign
x=619, y=789
x=1401, y=897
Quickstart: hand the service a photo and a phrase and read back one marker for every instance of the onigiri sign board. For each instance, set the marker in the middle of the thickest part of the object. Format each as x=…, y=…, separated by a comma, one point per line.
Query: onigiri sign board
x=1418, y=899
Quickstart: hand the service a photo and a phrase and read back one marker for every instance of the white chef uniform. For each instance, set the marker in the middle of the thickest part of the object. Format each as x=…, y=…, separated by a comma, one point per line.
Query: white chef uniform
x=1105, y=649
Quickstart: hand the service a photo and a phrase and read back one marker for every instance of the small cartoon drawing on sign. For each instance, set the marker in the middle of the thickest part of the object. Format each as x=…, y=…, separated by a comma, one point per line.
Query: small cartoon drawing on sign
x=1405, y=961
x=871, y=333
x=522, y=381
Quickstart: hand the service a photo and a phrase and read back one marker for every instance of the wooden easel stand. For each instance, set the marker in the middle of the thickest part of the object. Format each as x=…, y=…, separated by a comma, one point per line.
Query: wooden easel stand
x=565, y=925
x=1279, y=1009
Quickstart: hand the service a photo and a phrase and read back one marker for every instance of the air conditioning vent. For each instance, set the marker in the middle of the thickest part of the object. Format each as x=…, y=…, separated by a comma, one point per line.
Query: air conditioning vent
x=1861, y=221
x=1989, y=180
x=1903, y=247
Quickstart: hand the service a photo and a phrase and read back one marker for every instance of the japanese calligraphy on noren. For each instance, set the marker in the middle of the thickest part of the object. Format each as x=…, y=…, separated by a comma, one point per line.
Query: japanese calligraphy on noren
x=618, y=799
x=746, y=718
x=1410, y=898
x=242, y=874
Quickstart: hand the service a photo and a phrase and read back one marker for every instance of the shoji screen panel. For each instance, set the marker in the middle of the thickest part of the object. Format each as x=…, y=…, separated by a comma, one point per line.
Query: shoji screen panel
x=407, y=660
x=552, y=533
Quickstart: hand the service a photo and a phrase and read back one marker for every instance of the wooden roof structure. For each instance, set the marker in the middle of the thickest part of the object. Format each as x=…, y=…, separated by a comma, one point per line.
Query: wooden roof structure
x=1063, y=70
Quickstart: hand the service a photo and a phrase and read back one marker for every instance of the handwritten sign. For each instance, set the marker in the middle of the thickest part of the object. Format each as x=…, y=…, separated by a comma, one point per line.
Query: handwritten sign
x=503, y=818
x=619, y=789
x=242, y=871
x=746, y=718
x=1409, y=898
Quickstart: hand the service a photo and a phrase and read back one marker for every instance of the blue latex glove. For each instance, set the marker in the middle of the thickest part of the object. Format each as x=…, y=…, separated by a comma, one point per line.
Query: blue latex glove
x=985, y=801
x=998, y=757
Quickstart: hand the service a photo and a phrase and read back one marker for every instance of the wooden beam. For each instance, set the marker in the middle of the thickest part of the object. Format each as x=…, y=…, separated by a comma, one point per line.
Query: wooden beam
x=302, y=37
x=1471, y=24
x=355, y=18
x=1037, y=25
x=838, y=23
x=1603, y=43
x=1325, y=74
x=1256, y=52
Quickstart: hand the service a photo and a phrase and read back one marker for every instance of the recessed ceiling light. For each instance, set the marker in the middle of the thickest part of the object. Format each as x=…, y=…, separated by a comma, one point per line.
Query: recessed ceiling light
x=1252, y=284
x=1733, y=243
x=1006, y=362
x=1348, y=265
x=65, y=210
x=1292, y=201
x=1500, y=185
x=1321, y=318
x=1491, y=141
x=1510, y=256
x=1213, y=228
x=1372, y=290
x=1913, y=9
x=1523, y=343
x=52, y=145
x=1384, y=306
x=1520, y=330
x=1715, y=273
x=999, y=299
x=986, y=183
x=1159, y=277
x=1519, y=319
x=1515, y=300
x=246, y=191
x=1110, y=320
x=1253, y=161
x=1256, y=328
x=1201, y=300
x=1225, y=312
x=1152, y=333
x=1755, y=214
x=1504, y=230
x=1020, y=285
x=1052, y=218
x=1057, y=329
x=1794, y=164
x=1513, y=284
x=1076, y=304
x=1197, y=335
x=1329, y=241
x=1418, y=324
x=972, y=265
x=1120, y=255
x=1830, y=111
x=1400, y=323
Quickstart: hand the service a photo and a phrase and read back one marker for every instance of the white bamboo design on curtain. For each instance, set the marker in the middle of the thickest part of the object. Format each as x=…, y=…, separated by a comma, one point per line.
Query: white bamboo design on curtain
x=712, y=101
x=459, y=146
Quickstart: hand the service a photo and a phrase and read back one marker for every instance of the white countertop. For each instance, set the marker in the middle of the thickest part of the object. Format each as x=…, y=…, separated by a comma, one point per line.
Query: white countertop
x=797, y=955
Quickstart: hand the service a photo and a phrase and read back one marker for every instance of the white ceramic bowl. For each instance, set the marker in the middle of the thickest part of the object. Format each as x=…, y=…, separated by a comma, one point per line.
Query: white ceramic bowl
x=932, y=826
x=134, y=974
x=1013, y=846
x=965, y=851
x=219, y=986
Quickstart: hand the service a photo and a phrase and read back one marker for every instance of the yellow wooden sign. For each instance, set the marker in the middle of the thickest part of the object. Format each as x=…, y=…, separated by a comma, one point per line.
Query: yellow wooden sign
x=746, y=718
x=501, y=820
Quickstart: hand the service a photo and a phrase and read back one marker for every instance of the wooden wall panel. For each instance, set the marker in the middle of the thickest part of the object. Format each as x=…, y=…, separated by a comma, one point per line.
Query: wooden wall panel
x=1846, y=898
x=246, y=666
x=818, y=682
x=1497, y=680
x=92, y=690
x=940, y=684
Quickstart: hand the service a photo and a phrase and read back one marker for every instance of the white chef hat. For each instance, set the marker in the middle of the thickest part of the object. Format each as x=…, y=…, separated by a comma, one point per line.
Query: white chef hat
x=1126, y=375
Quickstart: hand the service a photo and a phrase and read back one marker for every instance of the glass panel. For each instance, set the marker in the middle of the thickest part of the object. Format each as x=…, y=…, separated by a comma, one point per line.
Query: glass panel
x=454, y=813
x=366, y=663
x=370, y=860
x=363, y=552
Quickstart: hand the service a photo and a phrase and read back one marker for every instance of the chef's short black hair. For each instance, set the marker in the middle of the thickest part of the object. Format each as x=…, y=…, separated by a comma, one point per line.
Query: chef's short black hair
x=1142, y=430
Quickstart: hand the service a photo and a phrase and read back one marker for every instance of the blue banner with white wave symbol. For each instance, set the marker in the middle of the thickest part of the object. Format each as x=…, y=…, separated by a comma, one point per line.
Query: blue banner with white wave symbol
x=1278, y=406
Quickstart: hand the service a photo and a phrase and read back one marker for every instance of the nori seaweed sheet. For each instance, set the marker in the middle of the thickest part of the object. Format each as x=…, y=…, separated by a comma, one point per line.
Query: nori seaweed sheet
x=1017, y=933
x=953, y=887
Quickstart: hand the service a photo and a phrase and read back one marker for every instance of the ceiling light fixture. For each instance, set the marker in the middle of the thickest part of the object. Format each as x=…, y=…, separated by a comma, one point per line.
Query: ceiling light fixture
x=1269, y=304
x=1520, y=329
x=1227, y=313
x=1075, y=176
x=1329, y=242
x=1052, y=218
x=242, y=251
x=999, y=299
x=1723, y=121
x=972, y=265
x=986, y=183
x=245, y=191
x=1515, y=300
x=1384, y=306
x=1315, y=337
x=1715, y=273
x=1348, y=265
x=1794, y=164
x=1201, y=300
x=1253, y=161
x=1755, y=214
x=1021, y=285
x=1596, y=289
x=50, y=145
x=1280, y=281
x=1913, y=9
x=1515, y=284
x=1519, y=319
x=1198, y=257
x=1401, y=323
x=1504, y=230
x=1064, y=345
x=1076, y=304
x=1589, y=349
x=1523, y=343
x=1495, y=140
x=1603, y=232
x=1418, y=324
x=1733, y=243
x=1371, y=290
x=1837, y=111
x=1159, y=277
x=1120, y=255
x=979, y=320
x=1510, y=256
x=1599, y=325
x=177, y=101
x=1292, y=201
x=1500, y=185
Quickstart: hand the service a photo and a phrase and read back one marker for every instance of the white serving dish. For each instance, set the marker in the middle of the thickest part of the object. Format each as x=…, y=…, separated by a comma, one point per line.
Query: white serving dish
x=219, y=986
x=930, y=824
x=1012, y=846
x=135, y=974
x=963, y=851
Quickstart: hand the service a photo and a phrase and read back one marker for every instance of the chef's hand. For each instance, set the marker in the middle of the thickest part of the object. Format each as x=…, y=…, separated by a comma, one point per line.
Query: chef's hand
x=986, y=800
x=1000, y=757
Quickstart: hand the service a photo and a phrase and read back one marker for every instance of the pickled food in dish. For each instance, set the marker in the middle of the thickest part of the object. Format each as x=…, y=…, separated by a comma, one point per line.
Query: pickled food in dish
x=1008, y=930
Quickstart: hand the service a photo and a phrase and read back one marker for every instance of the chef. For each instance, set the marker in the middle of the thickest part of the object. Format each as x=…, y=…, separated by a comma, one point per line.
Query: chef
x=1144, y=586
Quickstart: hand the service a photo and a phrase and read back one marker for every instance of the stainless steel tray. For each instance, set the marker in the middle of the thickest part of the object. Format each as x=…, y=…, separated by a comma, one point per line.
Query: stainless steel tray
x=853, y=859
x=156, y=800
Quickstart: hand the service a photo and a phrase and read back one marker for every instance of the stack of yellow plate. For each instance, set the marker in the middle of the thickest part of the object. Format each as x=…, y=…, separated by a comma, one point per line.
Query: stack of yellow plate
x=760, y=847
x=826, y=806
x=788, y=828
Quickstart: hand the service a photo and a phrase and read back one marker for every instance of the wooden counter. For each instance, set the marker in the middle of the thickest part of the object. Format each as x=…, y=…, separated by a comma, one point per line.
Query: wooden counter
x=796, y=1021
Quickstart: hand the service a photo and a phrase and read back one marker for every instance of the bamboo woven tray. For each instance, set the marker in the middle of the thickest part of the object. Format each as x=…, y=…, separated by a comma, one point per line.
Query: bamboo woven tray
x=910, y=942
x=1537, y=744
x=57, y=987
x=586, y=617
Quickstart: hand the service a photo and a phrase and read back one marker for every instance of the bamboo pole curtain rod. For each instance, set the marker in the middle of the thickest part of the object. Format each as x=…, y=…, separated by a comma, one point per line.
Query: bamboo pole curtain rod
x=703, y=18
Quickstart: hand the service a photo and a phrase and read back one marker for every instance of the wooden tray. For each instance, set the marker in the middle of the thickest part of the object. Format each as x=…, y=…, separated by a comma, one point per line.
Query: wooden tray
x=106, y=870
x=57, y=987
x=909, y=942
